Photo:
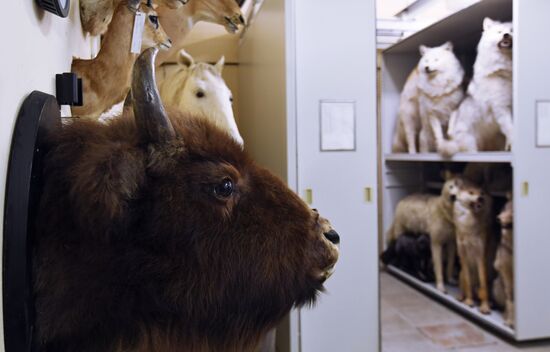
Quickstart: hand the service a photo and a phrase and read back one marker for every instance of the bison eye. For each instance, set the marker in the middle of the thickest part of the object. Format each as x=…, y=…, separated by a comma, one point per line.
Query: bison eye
x=200, y=94
x=224, y=189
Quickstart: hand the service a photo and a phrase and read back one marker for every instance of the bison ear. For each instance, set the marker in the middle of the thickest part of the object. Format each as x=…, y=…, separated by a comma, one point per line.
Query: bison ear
x=219, y=65
x=185, y=59
x=487, y=23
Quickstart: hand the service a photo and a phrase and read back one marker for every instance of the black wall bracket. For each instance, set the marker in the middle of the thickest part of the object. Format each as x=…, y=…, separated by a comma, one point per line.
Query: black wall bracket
x=68, y=89
x=39, y=115
x=57, y=7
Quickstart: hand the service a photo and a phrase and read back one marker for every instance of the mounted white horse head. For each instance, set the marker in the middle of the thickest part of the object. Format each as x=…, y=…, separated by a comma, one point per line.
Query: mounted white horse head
x=199, y=89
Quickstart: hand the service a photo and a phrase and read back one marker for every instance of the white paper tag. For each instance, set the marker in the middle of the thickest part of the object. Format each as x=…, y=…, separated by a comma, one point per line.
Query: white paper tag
x=137, y=34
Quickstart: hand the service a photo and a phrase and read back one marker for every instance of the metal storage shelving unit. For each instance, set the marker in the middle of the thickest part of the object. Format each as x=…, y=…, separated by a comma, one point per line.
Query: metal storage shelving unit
x=403, y=174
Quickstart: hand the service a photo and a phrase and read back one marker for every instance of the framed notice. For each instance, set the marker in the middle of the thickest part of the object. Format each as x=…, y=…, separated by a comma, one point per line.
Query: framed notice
x=543, y=124
x=337, y=125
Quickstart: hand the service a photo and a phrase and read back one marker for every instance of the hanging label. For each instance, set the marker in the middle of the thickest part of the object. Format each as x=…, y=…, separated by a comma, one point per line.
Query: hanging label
x=137, y=34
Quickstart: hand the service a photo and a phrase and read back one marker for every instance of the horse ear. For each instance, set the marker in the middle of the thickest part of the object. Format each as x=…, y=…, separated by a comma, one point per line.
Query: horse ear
x=487, y=23
x=185, y=59
x=219, y=64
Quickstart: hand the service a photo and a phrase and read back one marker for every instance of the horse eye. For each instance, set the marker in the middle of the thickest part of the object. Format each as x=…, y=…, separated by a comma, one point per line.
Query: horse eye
x=200, y=94
x=154, y=20
x=224, y=189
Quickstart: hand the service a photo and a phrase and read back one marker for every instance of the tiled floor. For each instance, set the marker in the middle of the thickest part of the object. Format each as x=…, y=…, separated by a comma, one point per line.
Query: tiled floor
x=411, y=322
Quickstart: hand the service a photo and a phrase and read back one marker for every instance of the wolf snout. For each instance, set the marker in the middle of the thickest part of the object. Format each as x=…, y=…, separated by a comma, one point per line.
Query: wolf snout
x=332, y=236
x=506, y=42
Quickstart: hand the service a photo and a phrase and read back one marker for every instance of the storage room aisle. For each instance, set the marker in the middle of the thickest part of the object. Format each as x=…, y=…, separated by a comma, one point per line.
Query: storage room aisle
x=411, y=322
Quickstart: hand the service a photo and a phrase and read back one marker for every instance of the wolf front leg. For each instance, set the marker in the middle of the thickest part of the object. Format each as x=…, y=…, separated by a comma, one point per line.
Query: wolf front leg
x=438, y=266
x=503, y=117
x=465, y=279
x=451, y=261
x=483, y=292
x=437, y=130
x=508, y=279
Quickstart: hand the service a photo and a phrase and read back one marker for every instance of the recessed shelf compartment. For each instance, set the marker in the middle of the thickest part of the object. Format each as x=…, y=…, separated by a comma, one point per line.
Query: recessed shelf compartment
x=484, y=157
x=516, y=171
x=494, y=321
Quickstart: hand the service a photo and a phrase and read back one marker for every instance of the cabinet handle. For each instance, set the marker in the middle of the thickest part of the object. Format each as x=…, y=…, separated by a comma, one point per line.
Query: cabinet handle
x=368, y=194
x=309, y=196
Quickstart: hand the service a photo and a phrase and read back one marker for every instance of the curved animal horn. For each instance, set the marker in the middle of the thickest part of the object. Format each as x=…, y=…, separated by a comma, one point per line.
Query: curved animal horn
x=151, y=118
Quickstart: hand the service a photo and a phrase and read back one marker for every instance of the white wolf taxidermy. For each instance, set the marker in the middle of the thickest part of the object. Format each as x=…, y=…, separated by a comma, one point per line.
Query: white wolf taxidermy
x=483, y=121
x=440, y=92
x=432, y=91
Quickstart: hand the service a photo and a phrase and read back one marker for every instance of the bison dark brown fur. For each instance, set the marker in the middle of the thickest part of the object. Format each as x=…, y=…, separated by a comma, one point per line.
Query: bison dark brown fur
x=139, y=248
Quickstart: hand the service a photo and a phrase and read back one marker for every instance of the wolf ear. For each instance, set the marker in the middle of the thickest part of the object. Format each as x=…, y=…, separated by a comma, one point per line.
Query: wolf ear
x=185, y=59
x=448, y=46
x=423, y=49
x=219, y=65
x=447, y=175
x=487, y=23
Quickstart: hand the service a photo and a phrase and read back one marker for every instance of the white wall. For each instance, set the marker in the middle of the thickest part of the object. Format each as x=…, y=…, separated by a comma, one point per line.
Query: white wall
x=37, y=45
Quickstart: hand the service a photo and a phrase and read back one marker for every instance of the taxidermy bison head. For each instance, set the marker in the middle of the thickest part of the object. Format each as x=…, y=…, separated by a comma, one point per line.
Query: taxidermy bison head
x=157, y=232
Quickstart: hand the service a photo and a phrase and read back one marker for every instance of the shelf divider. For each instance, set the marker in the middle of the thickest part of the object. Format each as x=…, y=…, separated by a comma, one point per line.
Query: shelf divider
x=483, y=157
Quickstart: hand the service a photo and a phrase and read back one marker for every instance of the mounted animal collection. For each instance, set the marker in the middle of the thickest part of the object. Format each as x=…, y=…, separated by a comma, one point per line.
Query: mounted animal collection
x=432, y=91
x=436, y=116
x=199, y=89
x=177, y=16
x=95, y=15
x=157, y=232
x=431, y=215
x=106, y=78
x=462, y=220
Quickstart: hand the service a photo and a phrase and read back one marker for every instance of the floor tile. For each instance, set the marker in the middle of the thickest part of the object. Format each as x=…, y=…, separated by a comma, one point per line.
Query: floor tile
x=410, y=323
x=427, y=315
x=456, y=335
x=409, y=342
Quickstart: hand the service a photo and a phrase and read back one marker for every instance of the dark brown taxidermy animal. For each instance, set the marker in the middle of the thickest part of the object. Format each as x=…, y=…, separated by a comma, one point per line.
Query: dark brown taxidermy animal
x=158, y=233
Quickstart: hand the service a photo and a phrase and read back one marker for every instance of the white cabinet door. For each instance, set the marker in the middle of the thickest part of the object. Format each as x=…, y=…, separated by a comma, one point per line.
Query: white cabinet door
x=335, y=60
x=531, y=170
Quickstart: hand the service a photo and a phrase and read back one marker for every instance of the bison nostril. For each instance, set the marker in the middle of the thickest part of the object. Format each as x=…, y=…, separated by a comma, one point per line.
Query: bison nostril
x=333, y=236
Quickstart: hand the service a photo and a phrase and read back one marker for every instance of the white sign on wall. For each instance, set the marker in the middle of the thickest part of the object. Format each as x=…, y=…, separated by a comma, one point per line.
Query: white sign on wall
x=337, y=125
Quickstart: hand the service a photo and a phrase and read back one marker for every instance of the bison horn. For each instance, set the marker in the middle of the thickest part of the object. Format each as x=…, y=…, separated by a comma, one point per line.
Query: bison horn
x=151, y=118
